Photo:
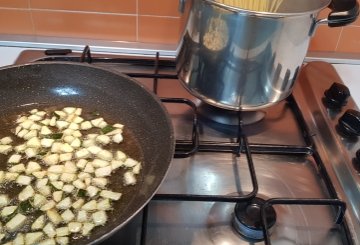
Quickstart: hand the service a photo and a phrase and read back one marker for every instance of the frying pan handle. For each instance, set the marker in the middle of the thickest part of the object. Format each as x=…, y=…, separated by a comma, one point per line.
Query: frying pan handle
x=343, y=12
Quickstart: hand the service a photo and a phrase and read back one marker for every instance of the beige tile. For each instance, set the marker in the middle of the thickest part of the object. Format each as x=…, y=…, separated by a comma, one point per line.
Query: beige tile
x=109, y=6
x=325, y=39
x=14, y=3
x=15, y=22
x=159, y=29
x=349, y=40
x=159, y=7
x=84, y=25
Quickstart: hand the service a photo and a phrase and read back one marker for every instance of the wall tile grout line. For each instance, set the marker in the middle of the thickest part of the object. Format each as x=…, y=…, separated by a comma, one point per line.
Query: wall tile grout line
x=90, y=12
x=161, y=16
x=338, y=41
x=69, y=11
x=137, y=20
x=32, y=18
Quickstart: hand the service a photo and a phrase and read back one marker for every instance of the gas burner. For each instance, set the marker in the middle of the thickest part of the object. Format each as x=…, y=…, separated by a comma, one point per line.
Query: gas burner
x=229, y=117
x=247, y=218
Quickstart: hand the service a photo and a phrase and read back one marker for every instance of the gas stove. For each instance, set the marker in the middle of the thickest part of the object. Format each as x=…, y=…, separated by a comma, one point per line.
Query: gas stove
x=287, y=175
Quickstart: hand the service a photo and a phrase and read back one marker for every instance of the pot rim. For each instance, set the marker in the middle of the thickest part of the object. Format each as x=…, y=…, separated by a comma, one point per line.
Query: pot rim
x=264, y=14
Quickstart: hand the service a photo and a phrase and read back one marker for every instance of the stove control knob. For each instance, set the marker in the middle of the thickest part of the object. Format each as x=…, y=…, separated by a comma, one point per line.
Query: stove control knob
x=336, y=96
x=349, y=123
x=356, y=161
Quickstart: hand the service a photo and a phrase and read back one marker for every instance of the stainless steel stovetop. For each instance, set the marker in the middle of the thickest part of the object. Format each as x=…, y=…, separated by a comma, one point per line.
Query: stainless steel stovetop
x=296, y=150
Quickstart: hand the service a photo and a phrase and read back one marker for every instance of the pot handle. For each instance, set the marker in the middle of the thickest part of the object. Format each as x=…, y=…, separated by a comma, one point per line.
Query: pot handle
x=343, y=12
x=182, y=6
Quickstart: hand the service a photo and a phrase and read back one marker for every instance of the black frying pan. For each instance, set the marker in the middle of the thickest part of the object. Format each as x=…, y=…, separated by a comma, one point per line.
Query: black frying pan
x=116, y=97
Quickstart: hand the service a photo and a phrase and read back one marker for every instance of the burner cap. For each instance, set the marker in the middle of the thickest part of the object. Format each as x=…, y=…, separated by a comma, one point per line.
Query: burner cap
x=247, y=218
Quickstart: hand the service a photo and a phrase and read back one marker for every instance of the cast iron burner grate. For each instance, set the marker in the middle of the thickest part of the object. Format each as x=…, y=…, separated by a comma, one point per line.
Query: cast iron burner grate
x=186, y=148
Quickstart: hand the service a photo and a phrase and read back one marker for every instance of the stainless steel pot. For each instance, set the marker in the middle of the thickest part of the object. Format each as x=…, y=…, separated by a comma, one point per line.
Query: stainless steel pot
x=241, y=59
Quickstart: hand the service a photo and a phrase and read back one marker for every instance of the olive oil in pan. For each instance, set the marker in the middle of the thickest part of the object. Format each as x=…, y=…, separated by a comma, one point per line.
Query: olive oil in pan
x=130, y=146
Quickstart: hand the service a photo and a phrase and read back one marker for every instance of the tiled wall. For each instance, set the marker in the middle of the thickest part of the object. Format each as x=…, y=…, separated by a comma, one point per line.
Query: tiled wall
x=148, y=21
x=153, y=21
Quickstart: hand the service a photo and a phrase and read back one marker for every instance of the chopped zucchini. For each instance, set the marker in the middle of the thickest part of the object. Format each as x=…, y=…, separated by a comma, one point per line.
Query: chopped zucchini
x=129, y=178
x=87, y=227
x=110, y=194
x=62, y=240
x=38, y=223
x=65, y=157
x=33, y=237
x=92, y=191
x=26, y=193
x=79, y=184
x=34, y=143
x=89, y=168
x=15, y=158
x=129, y=163
x=46, y=131
x=74, y=227
x=23, y=180
x=19, y=239
x=68, y=188
x=103, y=172
x=94, y=149
x=8, y=210
x=5, y=149
x=104, y=204
x=78, y=203
x=118, y=138
x=54, y=216
x=105, y=155
x=52, y=159
x=32, y=167
x=39, y=200
x=99, y=182
x=99, y=218
x=50, y=241
x=19, y=168
x=47, y=143
x=81, y=163
x=57, y=196
x=64, y=204
x=16, y=222
x=70, y=167
x=62, y=231
x=115, y=164
x=83, y=153
x=67, y=216
x=85, y=125
x=10, y=176
x=48, y=205
x=49, y=230
x=90, y=206
x=6, y=140
x=41, y=182
x=39, y=174
x=98, y=163
x=57, y=169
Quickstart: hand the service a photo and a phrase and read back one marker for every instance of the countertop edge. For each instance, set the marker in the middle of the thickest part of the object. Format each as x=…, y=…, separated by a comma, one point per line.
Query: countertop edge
x=144, y=49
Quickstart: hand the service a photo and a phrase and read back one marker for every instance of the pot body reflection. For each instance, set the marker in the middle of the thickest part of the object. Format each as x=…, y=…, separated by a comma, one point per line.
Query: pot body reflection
x=241, y=61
